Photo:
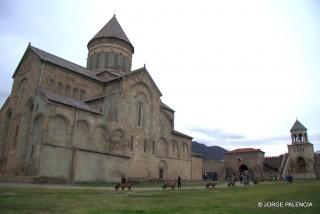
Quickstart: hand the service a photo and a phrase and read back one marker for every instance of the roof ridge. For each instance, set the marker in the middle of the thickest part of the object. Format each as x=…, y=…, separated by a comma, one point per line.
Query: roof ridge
x=54, y=59
x=38, y=49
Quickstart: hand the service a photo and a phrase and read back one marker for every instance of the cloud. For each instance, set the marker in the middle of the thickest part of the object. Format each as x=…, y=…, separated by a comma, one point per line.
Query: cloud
x=272, y=145
x=217, y=133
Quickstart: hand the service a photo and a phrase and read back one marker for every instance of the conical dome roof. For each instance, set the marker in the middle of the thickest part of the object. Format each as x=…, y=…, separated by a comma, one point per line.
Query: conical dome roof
x=112, y=30
x=297, y=126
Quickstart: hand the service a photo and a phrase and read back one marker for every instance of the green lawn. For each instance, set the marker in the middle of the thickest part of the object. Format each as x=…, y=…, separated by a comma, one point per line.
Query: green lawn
x=221, y=200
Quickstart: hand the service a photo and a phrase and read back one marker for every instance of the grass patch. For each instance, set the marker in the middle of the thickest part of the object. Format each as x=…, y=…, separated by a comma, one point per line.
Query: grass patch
x=221, y=200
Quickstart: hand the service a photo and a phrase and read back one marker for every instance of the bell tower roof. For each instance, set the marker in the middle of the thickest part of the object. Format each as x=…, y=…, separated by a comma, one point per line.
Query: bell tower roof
x=297, y=126
x=112, y=30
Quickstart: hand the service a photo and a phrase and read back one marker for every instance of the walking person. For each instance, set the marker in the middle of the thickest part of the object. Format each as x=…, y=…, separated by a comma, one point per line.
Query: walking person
x=179, y=182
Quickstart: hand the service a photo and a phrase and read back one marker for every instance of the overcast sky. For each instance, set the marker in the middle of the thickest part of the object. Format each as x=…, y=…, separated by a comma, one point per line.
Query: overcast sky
x=237, y=73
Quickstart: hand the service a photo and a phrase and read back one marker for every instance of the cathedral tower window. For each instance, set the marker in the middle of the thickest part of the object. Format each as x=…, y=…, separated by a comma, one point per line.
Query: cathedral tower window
x=111, y=60
x=106, y=59
x=98, y=60
x=102, y=58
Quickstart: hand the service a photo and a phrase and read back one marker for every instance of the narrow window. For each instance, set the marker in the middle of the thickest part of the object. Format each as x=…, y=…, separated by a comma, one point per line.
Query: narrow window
x=88, y=62
x=153, y=147
x=82, y=94
x=101, y=59
x=60, y=88
x=98, y=60
x=75, y=93
x=140, y=114
x=16, y=136
x=111, y=59
x=120, y=61
x=145, y=146
x=116, y=60
x=68, y=90
x=31, y=154
x=94, y=61
x=131, y=143
x=106, y=60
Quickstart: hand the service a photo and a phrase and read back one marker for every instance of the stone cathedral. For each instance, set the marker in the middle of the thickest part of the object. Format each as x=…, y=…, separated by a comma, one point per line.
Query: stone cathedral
x=97, y=123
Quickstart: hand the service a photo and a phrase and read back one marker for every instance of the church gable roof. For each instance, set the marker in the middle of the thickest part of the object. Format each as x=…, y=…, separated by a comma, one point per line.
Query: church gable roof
x=297, y=126
x=112, y=30
x=67, y=101
x=53, y=59
x=64, y=63
x=135, y=72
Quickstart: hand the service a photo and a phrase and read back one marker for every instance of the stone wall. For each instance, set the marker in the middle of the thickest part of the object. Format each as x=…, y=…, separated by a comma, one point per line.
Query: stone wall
x=301, y=154
x=252, y=160
x=216, y=166
x=196, y=167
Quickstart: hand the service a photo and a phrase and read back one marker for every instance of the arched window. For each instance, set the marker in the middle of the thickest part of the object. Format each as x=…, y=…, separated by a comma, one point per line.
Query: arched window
x=163, y=147
x=57, y=130
x=68, y=91
x=82, y=94
x=117, y=139
x=82, y=133
x=140, y=114
x=60, y=88
x=75, y=93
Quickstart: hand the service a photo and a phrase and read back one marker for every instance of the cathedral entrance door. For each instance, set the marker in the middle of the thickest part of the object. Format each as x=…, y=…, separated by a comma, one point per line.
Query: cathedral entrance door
x=163, y=170
x=161, y=173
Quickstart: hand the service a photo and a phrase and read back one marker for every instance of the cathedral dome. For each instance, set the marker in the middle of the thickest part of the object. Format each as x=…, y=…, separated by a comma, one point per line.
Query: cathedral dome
x=110, y=51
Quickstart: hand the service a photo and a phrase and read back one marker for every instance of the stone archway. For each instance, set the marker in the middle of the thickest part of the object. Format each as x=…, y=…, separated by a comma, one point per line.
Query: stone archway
x=243, y=168
x=163, y=170
x=301, y=165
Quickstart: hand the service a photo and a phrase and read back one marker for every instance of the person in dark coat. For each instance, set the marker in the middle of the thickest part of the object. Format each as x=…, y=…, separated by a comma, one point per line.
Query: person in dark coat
x=179, y=182
x=123, y=179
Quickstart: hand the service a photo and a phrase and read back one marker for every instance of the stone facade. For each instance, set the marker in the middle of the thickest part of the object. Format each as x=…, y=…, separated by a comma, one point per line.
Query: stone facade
x=196, y=167
x=90, y=124
x=247, y=159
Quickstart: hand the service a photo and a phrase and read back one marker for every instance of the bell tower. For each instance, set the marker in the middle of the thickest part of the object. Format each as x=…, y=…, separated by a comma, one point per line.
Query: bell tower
x=301, y=153
x=110, y=50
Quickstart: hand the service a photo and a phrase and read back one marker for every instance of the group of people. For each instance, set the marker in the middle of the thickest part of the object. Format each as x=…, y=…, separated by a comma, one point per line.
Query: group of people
x=124, y=180
x=244, y=178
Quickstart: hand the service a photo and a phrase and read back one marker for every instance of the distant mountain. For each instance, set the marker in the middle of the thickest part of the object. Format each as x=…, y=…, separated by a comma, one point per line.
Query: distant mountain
x=208, y=152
